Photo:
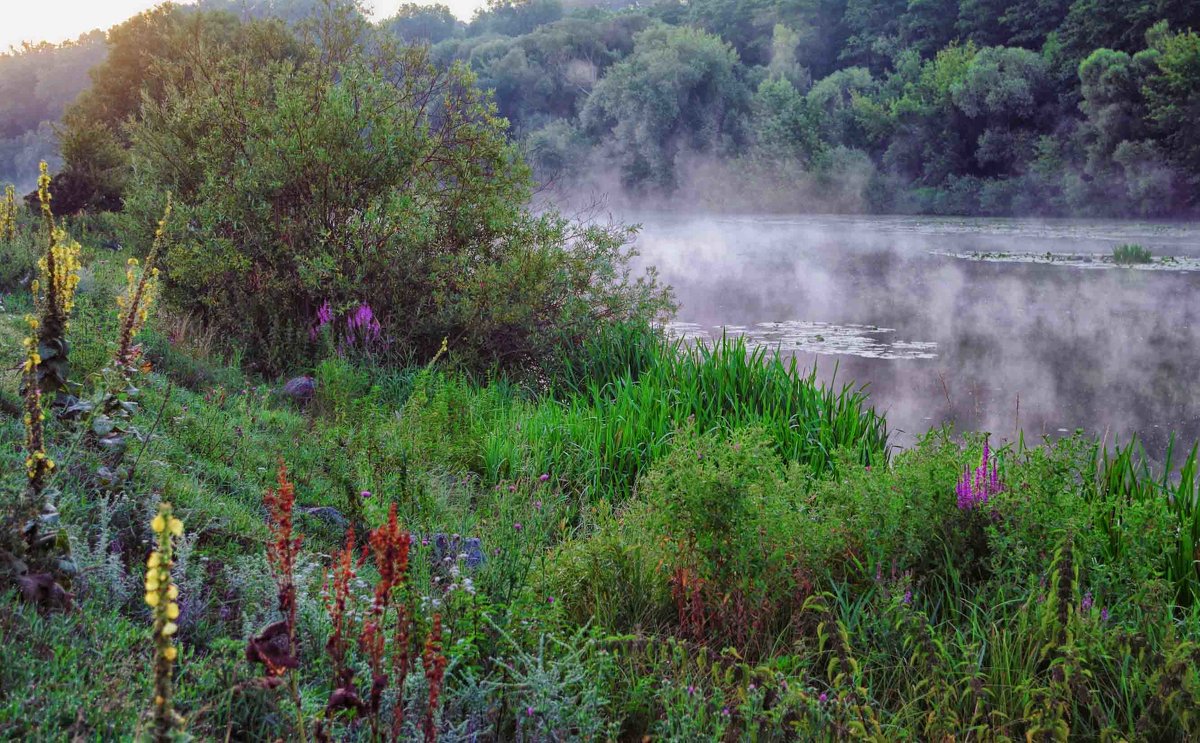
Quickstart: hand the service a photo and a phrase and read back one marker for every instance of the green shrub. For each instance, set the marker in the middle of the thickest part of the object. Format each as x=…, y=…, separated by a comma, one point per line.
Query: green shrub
x=360, y=174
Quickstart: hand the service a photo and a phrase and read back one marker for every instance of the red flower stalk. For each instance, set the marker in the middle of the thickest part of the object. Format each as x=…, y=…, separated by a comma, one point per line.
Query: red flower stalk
x=275, y=647
x=401, y=663
x=283, y=546
x=391, y=546
x=435, y=670
x=338, y=602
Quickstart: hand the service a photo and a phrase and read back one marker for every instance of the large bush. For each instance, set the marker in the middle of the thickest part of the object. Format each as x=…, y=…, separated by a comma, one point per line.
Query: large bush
x=357, y=173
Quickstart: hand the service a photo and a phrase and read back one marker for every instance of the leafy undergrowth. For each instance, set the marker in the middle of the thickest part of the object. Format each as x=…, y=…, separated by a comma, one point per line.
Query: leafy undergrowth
x=682, y=544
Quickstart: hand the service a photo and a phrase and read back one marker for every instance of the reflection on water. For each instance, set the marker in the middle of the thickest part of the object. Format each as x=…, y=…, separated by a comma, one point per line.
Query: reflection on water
x=795, y=336
x=985, y=345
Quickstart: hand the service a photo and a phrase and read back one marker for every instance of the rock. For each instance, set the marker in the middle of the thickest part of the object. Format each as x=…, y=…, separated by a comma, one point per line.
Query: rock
x=329, y=515
x=300, y=389
x=453, y=547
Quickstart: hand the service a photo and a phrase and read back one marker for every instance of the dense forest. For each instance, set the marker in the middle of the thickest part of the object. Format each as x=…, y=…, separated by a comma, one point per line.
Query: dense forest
x=1038, y=107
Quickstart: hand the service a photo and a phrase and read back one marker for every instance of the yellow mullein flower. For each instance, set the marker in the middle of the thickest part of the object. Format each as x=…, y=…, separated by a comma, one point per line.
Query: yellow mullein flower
x=161, y=595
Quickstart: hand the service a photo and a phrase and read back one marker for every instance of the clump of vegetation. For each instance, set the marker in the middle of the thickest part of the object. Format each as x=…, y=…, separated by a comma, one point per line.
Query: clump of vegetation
x=1131, y=254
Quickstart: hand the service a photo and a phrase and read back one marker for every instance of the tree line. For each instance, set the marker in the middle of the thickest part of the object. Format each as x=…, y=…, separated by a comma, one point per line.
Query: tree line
x=1035, y=107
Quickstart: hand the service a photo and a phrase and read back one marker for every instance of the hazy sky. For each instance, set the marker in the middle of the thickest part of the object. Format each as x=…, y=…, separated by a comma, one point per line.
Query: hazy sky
x=59, y=20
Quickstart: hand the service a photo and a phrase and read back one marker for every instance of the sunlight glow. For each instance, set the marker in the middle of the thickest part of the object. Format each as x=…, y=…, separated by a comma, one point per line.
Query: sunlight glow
x=57, y=21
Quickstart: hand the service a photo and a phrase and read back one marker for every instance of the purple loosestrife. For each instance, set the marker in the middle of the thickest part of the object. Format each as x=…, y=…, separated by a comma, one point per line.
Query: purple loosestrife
x=978, y=486
x=324, y=317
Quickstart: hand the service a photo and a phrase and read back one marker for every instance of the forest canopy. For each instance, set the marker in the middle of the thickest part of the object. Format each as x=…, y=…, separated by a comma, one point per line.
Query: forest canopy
x=1037, y=107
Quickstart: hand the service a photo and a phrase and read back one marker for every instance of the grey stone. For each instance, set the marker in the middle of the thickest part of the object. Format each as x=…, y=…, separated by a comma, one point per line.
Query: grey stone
x=300, y=389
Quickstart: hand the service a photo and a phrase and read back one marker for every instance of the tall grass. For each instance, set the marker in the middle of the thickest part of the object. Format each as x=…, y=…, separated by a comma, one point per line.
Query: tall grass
x=1125, y=477
x=614, y=430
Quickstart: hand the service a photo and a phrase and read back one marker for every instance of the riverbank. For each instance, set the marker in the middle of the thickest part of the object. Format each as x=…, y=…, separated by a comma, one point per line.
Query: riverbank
x=686, y=545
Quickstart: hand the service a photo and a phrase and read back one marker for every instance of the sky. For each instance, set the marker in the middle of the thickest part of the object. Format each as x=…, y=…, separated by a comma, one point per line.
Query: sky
x=60, y=20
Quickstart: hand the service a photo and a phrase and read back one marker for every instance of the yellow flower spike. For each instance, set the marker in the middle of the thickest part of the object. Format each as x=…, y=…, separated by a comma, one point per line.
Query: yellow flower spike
x=176, y=527
x=173, y=592
x=151, y=599
x=152, y=583
x=171, y=653
x=169, y=629
x=158, y=525
x=154, y=561
x=172, y=610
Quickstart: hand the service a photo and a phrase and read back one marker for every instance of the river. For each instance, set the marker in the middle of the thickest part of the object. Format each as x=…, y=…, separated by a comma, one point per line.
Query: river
x=985, y=324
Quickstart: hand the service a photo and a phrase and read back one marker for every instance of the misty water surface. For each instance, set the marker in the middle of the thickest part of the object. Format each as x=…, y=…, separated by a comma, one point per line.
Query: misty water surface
x=941, y=339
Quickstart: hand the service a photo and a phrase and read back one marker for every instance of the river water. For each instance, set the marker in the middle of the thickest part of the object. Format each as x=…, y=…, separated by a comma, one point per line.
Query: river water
x=987, y=325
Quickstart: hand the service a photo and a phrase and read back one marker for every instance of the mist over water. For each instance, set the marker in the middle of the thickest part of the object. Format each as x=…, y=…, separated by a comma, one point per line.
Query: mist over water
x=942, y=339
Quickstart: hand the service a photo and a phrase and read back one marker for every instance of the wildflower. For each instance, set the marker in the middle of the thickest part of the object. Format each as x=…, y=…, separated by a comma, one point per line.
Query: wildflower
x=529, y=711
x=823, y=698
x=140, y=293
x=275, y=646
x=517, y=526
x=365, y=494
x=545, y=476
x=435, y=669
x=550, y=599
x=977, y=486
x=161, y=594
x=1086, y=604
x=907, y=597
x=1104, y=614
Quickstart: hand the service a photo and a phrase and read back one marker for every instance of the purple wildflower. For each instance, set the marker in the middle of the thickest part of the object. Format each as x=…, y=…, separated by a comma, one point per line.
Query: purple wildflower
x=1086, y=604
x=978, y=486
x=529, y=711
x=907, y=597
x=823, y=698
x=1104, y=614
x=365, y=494
x=324, y=317
x=544, y=476
x=517, y=526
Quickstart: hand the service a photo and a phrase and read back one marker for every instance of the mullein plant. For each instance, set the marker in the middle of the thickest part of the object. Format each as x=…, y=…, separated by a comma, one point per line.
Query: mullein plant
x=116, y=400
x=35, y=551
x=53, y=297
x=8, y=215
x=141, y=290
x=162, y=597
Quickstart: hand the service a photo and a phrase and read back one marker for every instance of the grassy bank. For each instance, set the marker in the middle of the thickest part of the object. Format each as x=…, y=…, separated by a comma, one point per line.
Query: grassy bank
x=686, y=544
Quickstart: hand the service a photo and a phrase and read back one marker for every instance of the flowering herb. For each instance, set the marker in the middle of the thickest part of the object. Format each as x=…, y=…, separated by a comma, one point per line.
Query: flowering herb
x=162, y=597
x=976, y=487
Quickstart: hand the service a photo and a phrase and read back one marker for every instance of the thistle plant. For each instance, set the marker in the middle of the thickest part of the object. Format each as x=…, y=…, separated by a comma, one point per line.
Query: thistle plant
x=140, y=292
x=53, y=297
x=162, y=596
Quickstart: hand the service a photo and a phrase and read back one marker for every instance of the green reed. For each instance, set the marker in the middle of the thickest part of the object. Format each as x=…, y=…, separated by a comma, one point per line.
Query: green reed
x=1125, y=476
